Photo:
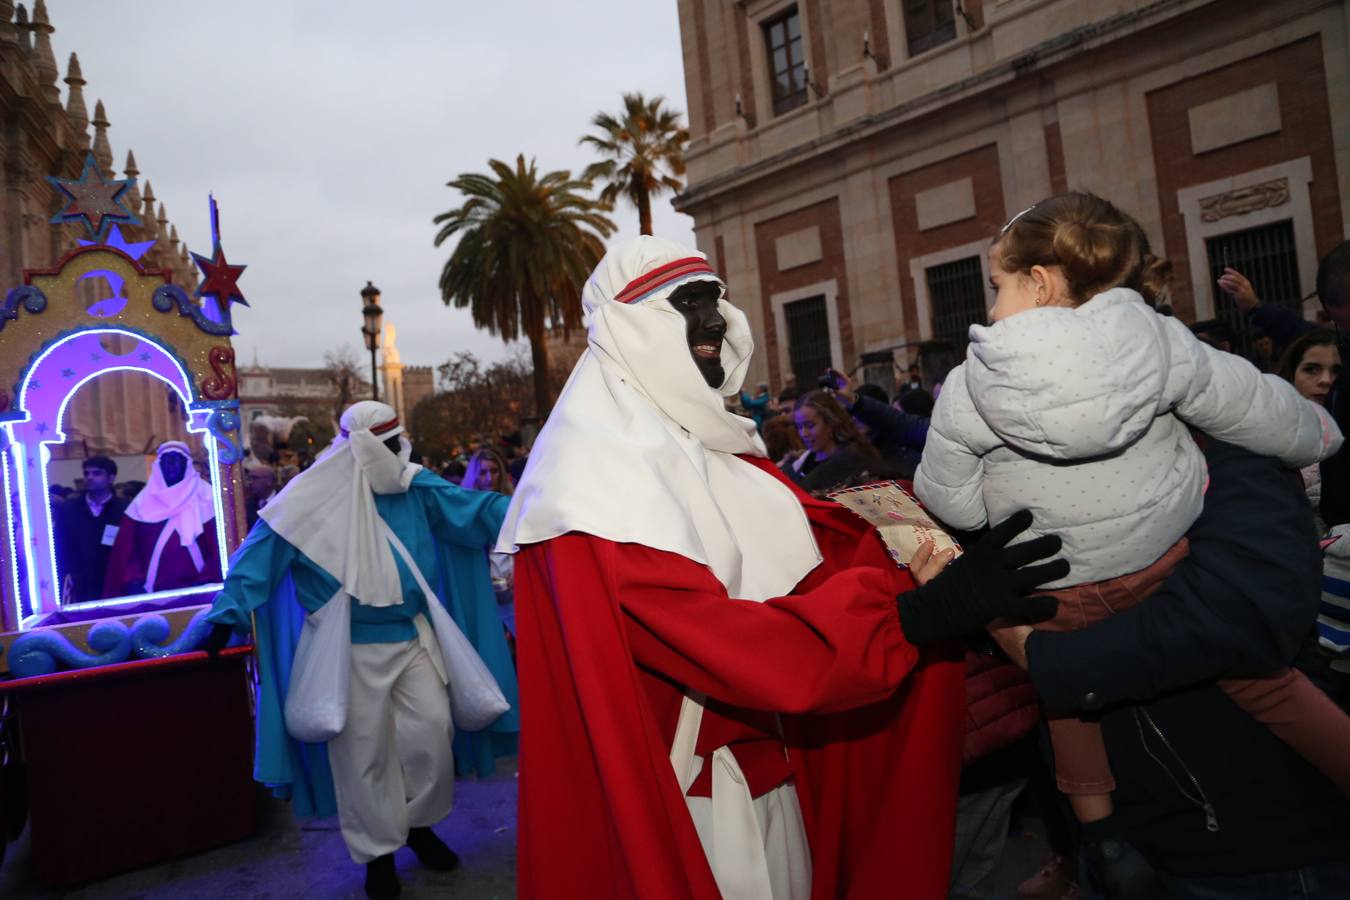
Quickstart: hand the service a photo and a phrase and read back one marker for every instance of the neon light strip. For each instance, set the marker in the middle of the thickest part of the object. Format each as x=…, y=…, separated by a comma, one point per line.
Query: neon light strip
x=23, y=393
x=213, y=452
x=13, y=553
x=44, y=457
x=121, y=601
x=19, y=466
x=193, y=411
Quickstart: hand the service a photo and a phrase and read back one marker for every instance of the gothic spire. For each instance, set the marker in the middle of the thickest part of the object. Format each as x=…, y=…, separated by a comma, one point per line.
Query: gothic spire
x=7, y=33
x=23, y=29
x=133, y=192
x=42, y=47
x=102, y=149
x=76, y=111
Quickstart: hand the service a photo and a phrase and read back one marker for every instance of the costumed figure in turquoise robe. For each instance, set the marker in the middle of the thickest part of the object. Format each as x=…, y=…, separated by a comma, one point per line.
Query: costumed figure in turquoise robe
x=367, y=537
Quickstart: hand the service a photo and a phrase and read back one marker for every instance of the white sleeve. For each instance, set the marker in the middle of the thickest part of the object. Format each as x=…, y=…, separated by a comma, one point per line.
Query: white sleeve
x=950, y=476
x=1226, y=397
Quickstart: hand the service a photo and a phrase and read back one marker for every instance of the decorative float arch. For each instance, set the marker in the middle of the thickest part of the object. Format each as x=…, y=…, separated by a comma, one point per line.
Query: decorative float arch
x=52, y=342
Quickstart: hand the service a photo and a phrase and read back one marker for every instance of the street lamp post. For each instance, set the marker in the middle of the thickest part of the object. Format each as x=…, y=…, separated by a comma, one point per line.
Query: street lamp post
x=371, y=312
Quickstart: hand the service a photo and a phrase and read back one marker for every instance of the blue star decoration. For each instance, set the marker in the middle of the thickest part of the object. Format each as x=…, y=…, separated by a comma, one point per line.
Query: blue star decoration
x=95, y=357
x=67, y=373
x=145, y=357
x=134, y=249
x=41, y=428
x=94, y=199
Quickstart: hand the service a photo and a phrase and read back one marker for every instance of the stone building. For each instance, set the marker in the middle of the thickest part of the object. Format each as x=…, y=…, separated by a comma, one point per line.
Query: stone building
x=283, y=392
x=44, y=135
x=851, y=160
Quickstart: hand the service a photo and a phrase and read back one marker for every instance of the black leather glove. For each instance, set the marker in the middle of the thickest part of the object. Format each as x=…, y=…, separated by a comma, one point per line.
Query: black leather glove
x=215, y=641
x=987, y=583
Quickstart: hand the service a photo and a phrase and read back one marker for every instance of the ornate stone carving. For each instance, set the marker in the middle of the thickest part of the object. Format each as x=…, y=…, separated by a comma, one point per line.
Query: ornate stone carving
x=1245, y=200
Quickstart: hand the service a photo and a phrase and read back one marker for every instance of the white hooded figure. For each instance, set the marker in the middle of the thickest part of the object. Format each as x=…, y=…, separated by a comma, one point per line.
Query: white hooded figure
x=353, y=547
x=673, y=609
x=167, y=539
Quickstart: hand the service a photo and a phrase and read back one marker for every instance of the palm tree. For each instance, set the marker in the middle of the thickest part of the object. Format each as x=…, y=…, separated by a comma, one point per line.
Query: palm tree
x=526, y=245
x=643, y=150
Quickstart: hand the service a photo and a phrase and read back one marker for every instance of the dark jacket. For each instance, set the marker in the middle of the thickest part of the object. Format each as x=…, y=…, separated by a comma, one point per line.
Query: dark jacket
x=848, y=466
x=898, y=436
x=81, y=549
x=1185, y=758
x=1284, y=325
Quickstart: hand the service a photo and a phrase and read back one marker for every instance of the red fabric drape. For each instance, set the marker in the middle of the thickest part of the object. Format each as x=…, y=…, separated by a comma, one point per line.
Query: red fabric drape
x=609, y=633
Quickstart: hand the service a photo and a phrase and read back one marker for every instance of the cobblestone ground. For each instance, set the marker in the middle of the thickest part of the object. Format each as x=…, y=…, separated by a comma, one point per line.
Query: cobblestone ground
x=286, y=860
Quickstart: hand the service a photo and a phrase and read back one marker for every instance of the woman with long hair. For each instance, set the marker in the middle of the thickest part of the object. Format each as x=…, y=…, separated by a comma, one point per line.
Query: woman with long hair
x=487, y=471
x=836, y=454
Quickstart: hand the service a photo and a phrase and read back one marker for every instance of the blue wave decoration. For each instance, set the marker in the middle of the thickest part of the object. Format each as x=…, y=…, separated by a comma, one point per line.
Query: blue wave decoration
x=45, y=652
x=25, y=295
x=167, y=296
x=150, y=631
x=224, y=427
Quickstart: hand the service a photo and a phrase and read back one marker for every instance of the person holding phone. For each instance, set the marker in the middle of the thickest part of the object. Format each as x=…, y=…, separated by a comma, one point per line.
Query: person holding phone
x=898, y=436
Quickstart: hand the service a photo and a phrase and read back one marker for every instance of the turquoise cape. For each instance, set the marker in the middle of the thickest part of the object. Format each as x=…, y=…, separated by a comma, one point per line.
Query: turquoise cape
x=446, y=529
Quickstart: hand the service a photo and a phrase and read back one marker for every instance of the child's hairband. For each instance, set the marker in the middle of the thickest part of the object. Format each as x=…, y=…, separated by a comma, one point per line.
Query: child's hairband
x=1005, y=228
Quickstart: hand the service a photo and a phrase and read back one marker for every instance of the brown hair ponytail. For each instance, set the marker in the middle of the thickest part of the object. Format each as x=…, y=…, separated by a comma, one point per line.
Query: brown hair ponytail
x=1097, y=247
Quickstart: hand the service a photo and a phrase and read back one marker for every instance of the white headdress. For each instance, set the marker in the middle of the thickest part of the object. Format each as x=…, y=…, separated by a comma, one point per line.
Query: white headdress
x=640, y=450
x=187, y=506
x=328, y=511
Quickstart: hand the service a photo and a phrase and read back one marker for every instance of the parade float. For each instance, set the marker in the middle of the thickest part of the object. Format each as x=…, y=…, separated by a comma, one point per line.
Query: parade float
x=123, y=744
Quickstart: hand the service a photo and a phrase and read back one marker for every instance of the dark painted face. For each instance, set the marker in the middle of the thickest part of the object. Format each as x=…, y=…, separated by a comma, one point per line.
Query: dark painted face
x=174, y=467
x=704, y=327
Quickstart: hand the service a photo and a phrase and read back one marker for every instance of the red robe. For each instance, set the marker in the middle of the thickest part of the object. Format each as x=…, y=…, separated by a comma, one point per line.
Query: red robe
x=608, y=632
x=129, y=562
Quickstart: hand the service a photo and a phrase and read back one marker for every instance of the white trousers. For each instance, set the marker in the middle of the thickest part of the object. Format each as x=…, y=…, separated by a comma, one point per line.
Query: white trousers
x=393, y=768
x=778, y=815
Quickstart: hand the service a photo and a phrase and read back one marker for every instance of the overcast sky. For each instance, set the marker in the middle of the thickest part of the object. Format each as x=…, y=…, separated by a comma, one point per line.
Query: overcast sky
x=327, y=130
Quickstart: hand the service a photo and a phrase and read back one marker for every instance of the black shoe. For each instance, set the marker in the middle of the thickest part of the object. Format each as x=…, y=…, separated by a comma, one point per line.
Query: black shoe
x=381, y=882
x=431, y=851
x=1119, y=871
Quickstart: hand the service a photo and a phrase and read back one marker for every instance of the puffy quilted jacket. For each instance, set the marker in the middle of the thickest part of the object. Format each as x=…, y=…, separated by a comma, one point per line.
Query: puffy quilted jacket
x=1080, y=415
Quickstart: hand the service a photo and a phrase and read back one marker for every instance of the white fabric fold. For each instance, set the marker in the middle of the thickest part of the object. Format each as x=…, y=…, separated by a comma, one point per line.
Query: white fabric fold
x=186, y=507
x=640, y=450
x=328, y=511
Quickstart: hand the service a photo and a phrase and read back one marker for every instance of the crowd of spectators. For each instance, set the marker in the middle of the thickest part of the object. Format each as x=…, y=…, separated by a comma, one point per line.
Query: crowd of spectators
x=841, y=433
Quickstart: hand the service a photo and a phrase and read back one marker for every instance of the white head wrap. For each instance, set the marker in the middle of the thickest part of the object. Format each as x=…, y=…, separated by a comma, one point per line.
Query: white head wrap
x=186, y=506
x=640, y=450
x=328, y=511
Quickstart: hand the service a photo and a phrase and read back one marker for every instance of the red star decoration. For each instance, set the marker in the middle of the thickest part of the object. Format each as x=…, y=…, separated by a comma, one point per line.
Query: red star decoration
x=221, y=279
x=93, y=199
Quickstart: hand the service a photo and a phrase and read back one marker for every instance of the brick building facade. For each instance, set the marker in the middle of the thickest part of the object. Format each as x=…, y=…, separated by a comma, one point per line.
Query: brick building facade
x=851, y=160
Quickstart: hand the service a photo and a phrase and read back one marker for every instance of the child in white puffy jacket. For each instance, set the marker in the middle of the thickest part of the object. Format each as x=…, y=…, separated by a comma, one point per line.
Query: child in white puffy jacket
x=1075, y=404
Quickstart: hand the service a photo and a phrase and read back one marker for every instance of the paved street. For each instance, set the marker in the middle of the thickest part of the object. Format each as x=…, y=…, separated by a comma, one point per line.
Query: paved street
x=286, y=860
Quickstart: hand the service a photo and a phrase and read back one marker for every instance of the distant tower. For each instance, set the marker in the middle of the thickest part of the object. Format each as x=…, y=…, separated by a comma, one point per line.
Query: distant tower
x=392, y=370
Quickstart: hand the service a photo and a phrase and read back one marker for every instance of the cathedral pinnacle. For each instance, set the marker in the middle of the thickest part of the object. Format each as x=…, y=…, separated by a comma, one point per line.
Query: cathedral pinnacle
x=102, y=149
x=76, y=111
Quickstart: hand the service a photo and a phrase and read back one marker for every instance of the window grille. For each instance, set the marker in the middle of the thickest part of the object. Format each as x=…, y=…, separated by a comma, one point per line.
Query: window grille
x=1267, y=256
x=957, y=298
x=808, y=334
